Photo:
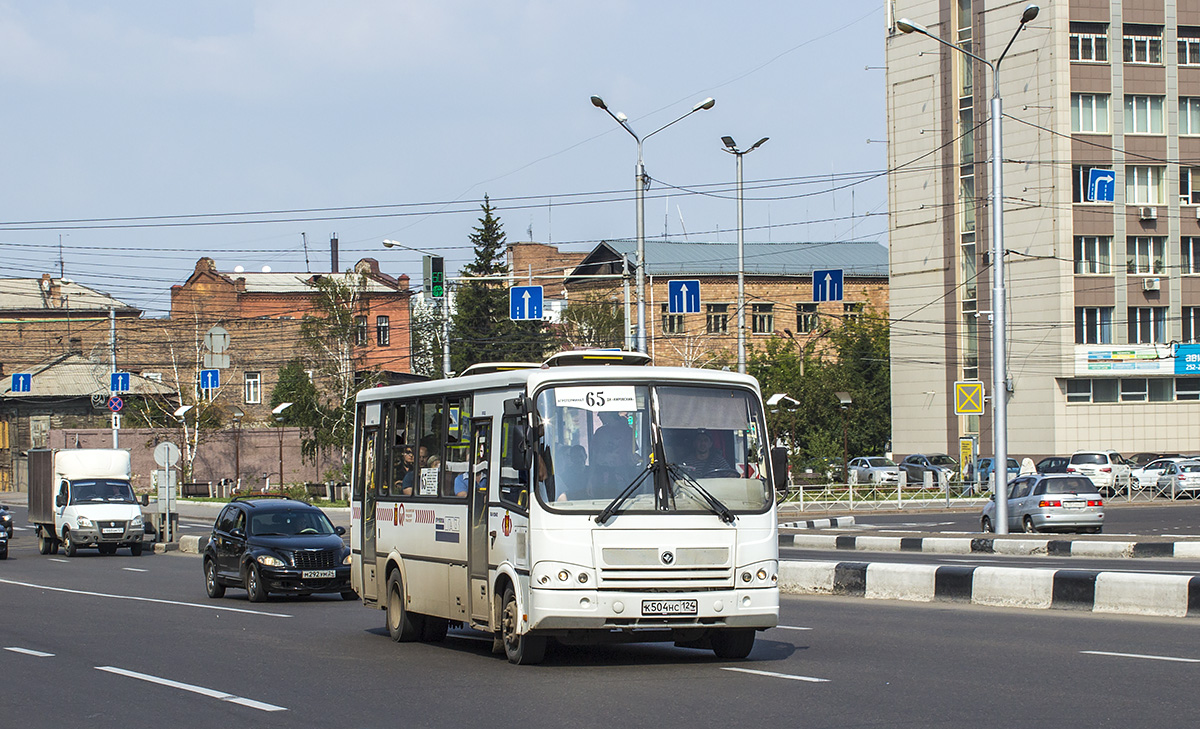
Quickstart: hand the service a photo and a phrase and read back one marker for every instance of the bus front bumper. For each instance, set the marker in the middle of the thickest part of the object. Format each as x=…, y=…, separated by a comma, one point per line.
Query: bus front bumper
x=630, y=610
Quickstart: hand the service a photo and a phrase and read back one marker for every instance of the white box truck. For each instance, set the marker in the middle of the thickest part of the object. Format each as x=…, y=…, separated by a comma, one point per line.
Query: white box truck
x=82, y=498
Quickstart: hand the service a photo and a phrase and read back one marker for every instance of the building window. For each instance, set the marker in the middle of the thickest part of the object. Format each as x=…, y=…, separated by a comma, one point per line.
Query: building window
x=1144, y=185
x=966, y=195
x=1080, y=178
x=1162, y=389
x=1189, y=186
x=383, y=334
x=1079, y=390
x=1189, y=255
x=1147, y=324
x=1093, y=254
x=1189, y=45
x=1133, y=390
x=360, y=331
x=716, y=318
x=970, y=282
x=1191, y=323
x=253, y=387
x=762, y=318
x=970, y=351
x=1143, y=115
x=806, y=318
x=1093, y=324
x=1089, y=113
x=1145, y=255
x=1143, y=44
x=1189, y=115
x=1089, y=42
x=671, y=323
x=852, y=311
x=1187, y=388
x=1096, y=391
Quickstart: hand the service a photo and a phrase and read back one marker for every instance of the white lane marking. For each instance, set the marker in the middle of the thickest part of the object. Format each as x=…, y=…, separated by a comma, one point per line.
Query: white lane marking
x=1140, y=655
x=134, y=569
x=772, y=674
x=791, y=627
x=56, y=559
x=28, y=652
x=211, y=693
x=202, y=606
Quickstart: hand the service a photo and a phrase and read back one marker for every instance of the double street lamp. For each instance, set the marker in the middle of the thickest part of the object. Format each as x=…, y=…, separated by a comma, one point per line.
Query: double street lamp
x=278, y=413
x=731, y=147
x=641, y=182
x=996, y=200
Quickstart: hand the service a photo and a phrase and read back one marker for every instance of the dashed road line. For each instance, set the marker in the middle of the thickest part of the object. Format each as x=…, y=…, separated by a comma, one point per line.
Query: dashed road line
x=160, y=601
x=134, y=569
x=772, y=674
x=791, y=627
x=211, y=693
x=1173, y=659
x=28, y=652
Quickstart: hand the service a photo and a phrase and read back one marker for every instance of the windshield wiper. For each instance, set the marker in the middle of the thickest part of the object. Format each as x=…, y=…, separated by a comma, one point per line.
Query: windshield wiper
x=615, y=504
x=713, y=502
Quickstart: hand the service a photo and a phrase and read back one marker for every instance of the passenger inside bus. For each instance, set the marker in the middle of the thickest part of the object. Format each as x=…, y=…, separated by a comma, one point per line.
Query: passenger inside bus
x=462, y=485
x=614, y=463
x=571, y=478
x=406, y=486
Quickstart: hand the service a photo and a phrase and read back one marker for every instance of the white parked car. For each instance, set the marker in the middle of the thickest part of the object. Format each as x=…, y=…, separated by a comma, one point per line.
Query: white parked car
x=1107, y=469
x=1147, y=475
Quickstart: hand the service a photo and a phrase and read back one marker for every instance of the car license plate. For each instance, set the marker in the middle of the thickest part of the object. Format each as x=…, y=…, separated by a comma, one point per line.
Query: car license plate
x=112, y=531
x=316, y=574
x=1073, y=504
x=669, y=607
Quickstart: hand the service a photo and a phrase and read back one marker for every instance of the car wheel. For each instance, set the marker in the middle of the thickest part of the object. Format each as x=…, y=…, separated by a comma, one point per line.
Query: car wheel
x=68, y=544
x=732, y=644
x=211, y=586
x=521, y=649
x=1028, y=525
x=255, y=590
x=400, y=622
x=135, y=549
x=986, y=525
x=46, y=543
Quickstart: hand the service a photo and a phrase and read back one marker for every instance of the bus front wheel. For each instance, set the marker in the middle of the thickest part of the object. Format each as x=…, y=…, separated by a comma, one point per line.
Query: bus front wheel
x=520, y=649
x=733, y=643
x=402, y=625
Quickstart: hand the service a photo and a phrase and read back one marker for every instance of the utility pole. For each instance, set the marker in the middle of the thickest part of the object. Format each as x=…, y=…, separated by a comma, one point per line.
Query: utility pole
x=112, y=363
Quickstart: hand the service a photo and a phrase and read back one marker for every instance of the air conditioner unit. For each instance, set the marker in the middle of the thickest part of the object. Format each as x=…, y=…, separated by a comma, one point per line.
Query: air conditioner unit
x=1148, y=213
x=1151, y=284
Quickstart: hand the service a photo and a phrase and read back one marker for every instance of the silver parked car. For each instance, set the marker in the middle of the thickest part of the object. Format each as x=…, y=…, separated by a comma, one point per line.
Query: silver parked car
x=1147, y=475
x=1050, y=502
x=1180, y=477
x=874, y=469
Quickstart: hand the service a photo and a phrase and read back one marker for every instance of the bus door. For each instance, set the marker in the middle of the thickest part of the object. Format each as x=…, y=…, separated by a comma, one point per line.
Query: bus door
x=368, y=477
x=477, y=542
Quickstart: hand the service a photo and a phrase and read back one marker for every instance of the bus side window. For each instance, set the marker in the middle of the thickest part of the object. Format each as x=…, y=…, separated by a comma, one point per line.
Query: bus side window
x=457, y=443
x=514, y=483
x=429, y=455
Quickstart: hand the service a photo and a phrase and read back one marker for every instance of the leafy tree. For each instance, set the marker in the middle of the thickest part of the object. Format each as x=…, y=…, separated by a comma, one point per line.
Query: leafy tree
x=592, y=321
x=427, y=338
x=481, y=330
x=306, y=411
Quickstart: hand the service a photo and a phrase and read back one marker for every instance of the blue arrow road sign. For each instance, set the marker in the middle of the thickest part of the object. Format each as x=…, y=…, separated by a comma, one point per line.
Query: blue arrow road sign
x=683, y=297
x=1101, y=185
x=210, y=379
x=119, y=382
x=22, y=382
x=525, y=303
x=827, y=285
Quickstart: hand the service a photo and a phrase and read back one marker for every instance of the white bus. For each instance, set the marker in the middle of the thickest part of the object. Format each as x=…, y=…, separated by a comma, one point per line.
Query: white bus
x=580, y=500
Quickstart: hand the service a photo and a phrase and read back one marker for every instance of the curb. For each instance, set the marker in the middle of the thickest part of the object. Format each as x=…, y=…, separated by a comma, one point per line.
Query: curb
x=164, y=547
x=831, y=523
x=1045, y=589
x=193, y=544
x=990, y=545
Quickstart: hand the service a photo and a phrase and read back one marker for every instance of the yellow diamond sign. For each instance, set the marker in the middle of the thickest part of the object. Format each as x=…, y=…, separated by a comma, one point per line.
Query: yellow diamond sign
x=968, y=397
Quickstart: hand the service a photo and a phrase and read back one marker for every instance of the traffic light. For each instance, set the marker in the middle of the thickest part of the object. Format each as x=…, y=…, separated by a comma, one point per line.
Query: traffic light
x=435, y=276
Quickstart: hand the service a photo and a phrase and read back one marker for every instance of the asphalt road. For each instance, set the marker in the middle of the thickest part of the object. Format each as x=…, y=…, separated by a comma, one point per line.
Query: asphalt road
x=121, y=641
x=1155, y=565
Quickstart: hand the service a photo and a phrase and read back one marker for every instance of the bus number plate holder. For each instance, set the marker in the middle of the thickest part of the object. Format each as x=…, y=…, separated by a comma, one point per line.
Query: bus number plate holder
x=669, y=607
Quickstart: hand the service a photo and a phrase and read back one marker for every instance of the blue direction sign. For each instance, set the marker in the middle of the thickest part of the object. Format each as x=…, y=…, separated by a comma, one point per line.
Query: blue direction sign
x=22, y=382
x=119, y=382
x=827, y=285
x=525, y=303
x=1101, y=185
x=210, y=379
x=683, y=297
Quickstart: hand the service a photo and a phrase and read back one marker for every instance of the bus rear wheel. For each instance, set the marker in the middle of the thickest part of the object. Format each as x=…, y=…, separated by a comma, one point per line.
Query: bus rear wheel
x=521, y=649
x=402, y=625
x=733, y=643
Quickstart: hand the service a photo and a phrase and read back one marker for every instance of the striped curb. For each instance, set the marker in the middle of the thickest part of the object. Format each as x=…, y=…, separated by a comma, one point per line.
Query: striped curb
x=831, y=523
x=1046, y=589
x=988, y=545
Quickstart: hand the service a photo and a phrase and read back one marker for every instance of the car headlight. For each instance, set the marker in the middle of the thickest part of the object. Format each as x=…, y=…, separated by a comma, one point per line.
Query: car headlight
x=5, y=517
x=136, y=521
x=269, y=560
x=84, y=522
x=348, y=559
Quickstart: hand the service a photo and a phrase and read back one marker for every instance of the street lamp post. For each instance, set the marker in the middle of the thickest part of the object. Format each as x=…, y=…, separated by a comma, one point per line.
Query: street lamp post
x=641, y=182
x=237, y=449
x=731, y=147
x=996, y=200
x=845, y=401
x=278, y=413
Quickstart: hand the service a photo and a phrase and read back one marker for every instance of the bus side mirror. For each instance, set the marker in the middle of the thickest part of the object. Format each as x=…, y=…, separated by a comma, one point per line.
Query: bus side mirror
x=779, y=467
x=518, y=405
x=524, y=441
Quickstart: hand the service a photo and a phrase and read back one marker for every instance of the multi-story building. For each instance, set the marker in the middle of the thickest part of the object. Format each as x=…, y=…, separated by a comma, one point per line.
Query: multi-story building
x=1101, y=201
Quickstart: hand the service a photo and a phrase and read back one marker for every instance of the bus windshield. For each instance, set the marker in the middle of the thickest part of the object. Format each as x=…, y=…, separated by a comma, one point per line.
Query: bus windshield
x=596, y=441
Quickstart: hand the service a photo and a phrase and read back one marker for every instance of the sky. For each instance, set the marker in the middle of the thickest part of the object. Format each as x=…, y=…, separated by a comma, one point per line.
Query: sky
x=139, y=136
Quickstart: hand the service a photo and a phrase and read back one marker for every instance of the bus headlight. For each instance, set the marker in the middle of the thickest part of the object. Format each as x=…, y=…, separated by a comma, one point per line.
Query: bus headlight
x=557, y=575
x=760, y=574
